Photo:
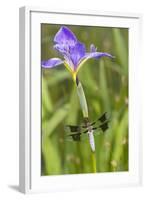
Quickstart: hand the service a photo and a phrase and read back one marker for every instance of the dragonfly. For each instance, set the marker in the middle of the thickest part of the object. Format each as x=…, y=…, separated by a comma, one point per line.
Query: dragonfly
x=88, y=128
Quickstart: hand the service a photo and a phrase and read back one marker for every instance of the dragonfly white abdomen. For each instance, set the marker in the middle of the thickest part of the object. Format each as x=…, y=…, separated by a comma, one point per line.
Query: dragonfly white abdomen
x=91, y=140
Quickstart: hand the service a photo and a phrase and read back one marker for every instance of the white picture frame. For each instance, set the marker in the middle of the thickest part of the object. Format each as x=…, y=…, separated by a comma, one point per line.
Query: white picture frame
x=30, y=175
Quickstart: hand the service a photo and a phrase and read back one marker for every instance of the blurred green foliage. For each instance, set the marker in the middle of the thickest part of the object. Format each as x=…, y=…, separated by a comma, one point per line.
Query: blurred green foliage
x=105, y=84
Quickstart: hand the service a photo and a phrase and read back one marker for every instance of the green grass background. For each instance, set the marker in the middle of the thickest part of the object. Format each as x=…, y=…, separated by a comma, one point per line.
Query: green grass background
x=105, y=83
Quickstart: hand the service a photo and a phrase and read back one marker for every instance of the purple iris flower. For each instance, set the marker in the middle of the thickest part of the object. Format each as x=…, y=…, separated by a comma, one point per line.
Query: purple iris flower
x=73, y=52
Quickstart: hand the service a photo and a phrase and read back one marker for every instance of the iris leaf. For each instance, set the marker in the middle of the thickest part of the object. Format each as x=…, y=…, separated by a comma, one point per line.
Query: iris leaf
x=51, y=157
x=46, y=97
x=50, y=125
x=121, y=49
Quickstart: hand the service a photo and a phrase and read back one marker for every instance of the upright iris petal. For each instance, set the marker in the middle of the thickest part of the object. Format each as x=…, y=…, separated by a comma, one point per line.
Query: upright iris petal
x=77, y=52
x=93, y=48
x=65, y=37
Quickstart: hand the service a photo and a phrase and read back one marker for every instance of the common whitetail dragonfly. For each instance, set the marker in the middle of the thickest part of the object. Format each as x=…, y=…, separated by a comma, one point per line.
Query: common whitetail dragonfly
x=102, y=123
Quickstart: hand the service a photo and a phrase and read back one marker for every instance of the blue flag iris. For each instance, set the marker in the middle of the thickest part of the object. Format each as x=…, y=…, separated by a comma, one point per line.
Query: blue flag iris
x=73, y=52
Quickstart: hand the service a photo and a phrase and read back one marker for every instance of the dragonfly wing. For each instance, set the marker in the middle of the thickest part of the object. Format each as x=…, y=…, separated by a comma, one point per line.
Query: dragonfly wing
x=76, y=132
x=77, y=137
x=94, y=128
x=101, y=128
x=104, y=126
x=71, y=128
x=93, y=123
x=103, y=117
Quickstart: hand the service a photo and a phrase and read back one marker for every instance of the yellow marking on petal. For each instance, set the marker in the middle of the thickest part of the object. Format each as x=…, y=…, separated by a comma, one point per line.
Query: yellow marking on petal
x=74, y=75
x=68, y=67
x=81, y=64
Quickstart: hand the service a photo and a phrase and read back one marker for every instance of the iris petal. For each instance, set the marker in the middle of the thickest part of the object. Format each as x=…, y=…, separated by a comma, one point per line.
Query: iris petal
x=65, y=36
x=95, y=55
x=53, y=62
x=77, y=52
x=93, y=48
x=64, y=51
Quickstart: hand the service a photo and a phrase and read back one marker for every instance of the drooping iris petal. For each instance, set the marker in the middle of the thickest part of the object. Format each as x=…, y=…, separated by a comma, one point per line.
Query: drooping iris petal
x=77, y=52
x=95, y=55
x=53, y=62
x=65, y=36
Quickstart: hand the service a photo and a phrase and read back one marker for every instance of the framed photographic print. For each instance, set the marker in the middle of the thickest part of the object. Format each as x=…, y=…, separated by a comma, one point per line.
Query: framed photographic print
x=79, y=100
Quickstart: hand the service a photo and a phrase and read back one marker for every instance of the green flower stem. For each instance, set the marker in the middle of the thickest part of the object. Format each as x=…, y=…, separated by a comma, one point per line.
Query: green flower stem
x=93, y=157
x=84, y=108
